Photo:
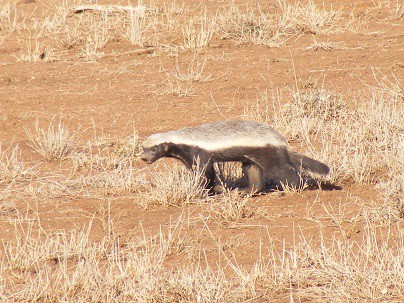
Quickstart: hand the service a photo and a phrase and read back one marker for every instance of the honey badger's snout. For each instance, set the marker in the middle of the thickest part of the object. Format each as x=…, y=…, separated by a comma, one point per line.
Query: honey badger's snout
x=146, y=157
x=150, y=154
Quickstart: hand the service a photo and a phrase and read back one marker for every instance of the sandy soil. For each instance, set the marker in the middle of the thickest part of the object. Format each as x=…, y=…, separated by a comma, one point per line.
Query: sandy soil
x=125, y=91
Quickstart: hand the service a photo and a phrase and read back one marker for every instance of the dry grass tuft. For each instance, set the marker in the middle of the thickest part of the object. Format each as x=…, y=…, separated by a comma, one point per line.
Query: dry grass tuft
x=124, y=177
x=260, y=110
x=397, y=9
x=358, y=24
x=246, y=27
x=54, y=143
x=12, y=168
x=257, y=27
x=106, y=152
x=176, y=186
x=198, y=32
x=229, y=174
x=230, y=205
x=87, y=33
x=8, y=20
x=393, y=206
x=346, y=271
x=75, y=266
x=315, y=19
x=194, y=71
x=179, y=88
x=182, y=83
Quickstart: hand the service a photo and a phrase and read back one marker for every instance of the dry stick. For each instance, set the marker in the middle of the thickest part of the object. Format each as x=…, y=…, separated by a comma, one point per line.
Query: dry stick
x=109, y=8
x=140, y=51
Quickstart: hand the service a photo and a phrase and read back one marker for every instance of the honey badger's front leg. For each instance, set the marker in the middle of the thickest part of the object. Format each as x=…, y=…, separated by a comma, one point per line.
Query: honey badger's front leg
x=204, y=164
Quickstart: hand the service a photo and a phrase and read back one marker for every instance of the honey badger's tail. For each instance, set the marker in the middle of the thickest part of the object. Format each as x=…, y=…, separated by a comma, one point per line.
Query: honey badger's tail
x=308, y=164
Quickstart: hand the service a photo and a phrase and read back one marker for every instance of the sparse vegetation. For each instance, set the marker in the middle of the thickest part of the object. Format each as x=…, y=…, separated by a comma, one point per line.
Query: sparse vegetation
x=54, y=143
x=11, y=166
x=121, y=178
x=8, y=20
x=339, y=271
x=198, y=32
x=315, y=115
x=83, y=219
x=176, y=186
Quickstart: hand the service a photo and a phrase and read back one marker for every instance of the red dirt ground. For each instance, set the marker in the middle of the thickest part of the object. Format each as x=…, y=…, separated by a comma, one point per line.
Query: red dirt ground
x=119, y=93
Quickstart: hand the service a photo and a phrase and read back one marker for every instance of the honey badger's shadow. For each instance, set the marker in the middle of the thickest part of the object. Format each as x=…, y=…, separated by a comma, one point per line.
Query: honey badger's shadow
x=229, y=175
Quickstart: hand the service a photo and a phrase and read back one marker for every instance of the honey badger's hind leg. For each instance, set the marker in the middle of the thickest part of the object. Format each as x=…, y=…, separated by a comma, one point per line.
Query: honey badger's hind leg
x=282, y=171
x=279, y=176
x=209, y=171
x=254, y=176
x=277, y=168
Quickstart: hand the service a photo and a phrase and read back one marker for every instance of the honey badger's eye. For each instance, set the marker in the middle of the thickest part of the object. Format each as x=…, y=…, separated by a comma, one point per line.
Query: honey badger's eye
x=154, y=148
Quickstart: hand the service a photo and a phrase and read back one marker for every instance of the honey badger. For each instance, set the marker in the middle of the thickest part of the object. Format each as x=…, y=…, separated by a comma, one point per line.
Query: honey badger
x=266, y=157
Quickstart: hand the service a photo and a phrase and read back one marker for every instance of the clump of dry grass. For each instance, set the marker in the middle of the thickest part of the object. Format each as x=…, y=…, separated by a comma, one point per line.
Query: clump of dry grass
x=88, y=32
x=138, y=25
x=358, y=24
x=182, y=83
x=124, y=177
x=49, y=186
x=229, y=174
x=315, y=19
x=246, y=27
x=176, y=186
x=54, y=143
x=315, y=108
x=393, y=206
x=335, y=271
x=260, y=109
x=194, y=71
x=34, y=51
x=179, y=88
x=198, y=32
x=397, y=9
x=196, y=284
x=106, y=152
x=230, y=205
x=12, y=168
x=8, y=20
x=69, y=266
x=106, y=163
x=296, y=189
x=13, y=172
x=257, y=27
x=345, y=271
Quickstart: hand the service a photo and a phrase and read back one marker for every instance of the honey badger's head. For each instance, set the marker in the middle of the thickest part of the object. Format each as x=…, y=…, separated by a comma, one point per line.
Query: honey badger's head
x=153, y=149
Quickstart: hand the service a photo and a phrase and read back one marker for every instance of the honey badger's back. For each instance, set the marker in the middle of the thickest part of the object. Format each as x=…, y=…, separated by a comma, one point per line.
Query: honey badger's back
x=222, y=135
